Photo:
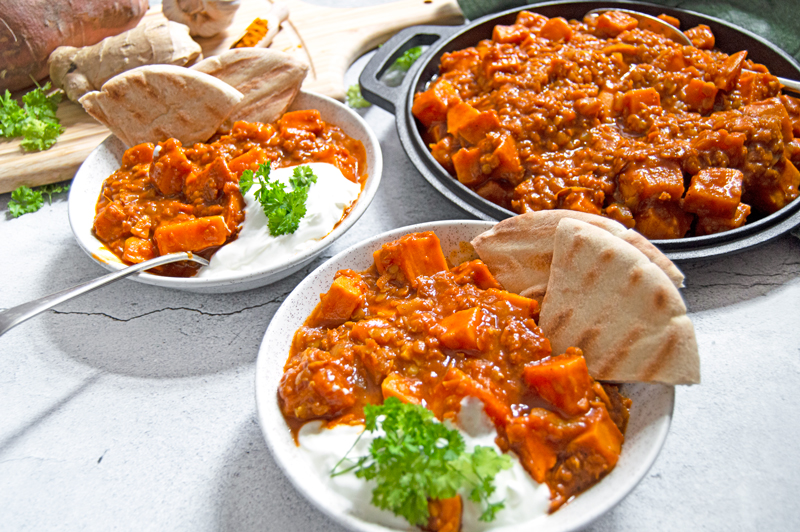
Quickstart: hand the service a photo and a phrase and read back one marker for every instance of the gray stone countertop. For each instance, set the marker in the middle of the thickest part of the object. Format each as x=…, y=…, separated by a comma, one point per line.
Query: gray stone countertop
x=132, y=408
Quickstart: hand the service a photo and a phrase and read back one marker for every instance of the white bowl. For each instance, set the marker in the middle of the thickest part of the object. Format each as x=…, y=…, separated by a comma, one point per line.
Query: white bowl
x=649, y=422
x=106, y=159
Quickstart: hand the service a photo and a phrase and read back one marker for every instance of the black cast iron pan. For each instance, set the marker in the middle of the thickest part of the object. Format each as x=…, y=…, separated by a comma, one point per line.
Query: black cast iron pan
x=443, y=39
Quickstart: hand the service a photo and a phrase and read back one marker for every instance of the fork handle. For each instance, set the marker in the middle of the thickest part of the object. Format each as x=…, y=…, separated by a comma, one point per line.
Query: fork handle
x=14, y=316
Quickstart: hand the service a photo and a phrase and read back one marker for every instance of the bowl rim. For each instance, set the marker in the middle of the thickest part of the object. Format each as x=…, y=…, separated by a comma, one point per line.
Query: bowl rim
x=304, y=100
x=268, y=411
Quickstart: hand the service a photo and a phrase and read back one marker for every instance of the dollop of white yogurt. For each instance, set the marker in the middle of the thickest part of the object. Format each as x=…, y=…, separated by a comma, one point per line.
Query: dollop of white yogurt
x=255, y=249
x=525, y=499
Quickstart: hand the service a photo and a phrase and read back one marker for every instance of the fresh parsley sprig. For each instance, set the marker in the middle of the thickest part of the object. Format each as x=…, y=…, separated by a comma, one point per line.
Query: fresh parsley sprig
x=25, y=200
x=35, y=121
x=283, y=209
x=420, y=459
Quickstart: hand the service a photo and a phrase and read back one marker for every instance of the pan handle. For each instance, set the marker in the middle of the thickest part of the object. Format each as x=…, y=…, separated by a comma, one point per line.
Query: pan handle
x=381, y=94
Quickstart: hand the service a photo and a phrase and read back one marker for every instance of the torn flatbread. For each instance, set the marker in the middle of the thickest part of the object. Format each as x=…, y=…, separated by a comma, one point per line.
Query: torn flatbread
x=519, y=250
x=156, y=102
x=269, y=81
x=607, y=298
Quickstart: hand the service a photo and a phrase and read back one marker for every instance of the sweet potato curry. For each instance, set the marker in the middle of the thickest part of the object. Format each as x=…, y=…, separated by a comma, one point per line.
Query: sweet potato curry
x=602, y=117
x=171, y=198
x=413, y=328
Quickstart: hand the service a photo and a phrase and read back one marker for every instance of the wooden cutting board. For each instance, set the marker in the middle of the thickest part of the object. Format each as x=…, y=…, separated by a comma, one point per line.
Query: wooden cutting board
x=328, y=39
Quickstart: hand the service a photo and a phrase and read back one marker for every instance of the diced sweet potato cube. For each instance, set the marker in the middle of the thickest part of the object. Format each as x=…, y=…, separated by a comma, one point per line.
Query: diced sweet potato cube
x=637, y=100
x=432, y=105
x=191, y=235
x=580, y=199
x=529, y=307
x=141, y=153
x=709, y=225
x=404, y=388
x=445, y=514
x=451, y=390
x=477, y=273
x=602, y=438
x=727, y=74
x=234, y=209
x=467, y=163
x=337, y=304
x=250, y=160
x=701, y=36
x=612, y=23
x=138, y=250
x=662, y=220
x=651, y=178
x=562, y=381
x=206, y=185
x=108, y=222
x=670, y=20
x=255, y=131
x=417, y=254
x=536, y=455
x=472, y=125
x=305, y=120
x=714, y=192
x=459, y=116
x=757, y=86
x=509, y=166
x=671, y=60
x=773, y=110
x=461, y=329
x=170, y=167
x=607, y=99
x=699, y=95
x=556, y=29
x=531, y=20
x=510, y=34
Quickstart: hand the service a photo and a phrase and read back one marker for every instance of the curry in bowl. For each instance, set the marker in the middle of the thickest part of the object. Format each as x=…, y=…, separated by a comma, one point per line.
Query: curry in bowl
x=603, y=117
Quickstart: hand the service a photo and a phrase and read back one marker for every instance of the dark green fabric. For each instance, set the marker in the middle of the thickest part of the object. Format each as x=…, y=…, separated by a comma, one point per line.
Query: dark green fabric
x=776, y=21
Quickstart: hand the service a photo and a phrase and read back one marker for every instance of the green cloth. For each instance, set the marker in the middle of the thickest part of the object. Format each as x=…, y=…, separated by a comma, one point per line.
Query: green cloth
x=775, y=20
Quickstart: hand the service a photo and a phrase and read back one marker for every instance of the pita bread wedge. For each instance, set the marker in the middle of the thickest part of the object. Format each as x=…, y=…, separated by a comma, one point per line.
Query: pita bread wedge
x=269, y=81
x=607, y=298
x=519, y=250
x=156, y=102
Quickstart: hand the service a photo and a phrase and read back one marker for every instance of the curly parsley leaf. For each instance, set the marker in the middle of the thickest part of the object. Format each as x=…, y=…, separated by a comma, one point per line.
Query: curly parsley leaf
x=284, y=209
x=11, y=116
x=418, y=459
x=354, y=97
x=35, y=121
x=24, y=200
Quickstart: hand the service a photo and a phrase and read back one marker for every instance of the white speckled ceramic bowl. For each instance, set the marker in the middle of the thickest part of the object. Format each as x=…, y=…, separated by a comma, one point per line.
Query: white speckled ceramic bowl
x=106, y=159
x=650, y=418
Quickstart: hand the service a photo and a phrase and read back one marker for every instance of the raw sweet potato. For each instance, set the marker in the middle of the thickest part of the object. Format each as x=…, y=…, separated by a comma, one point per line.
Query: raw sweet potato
x=30, y=30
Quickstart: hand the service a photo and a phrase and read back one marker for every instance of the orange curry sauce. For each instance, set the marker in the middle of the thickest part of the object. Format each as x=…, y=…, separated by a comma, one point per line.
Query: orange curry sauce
x=188, y=199
x=413, y=328
x=602, y=117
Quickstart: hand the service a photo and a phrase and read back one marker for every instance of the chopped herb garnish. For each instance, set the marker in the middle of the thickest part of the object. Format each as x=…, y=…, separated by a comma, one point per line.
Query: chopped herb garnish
x=405, y=61
x=25, y=200
x=419, y=459
x=354, y=97
x=283, y=209
x=36, y=121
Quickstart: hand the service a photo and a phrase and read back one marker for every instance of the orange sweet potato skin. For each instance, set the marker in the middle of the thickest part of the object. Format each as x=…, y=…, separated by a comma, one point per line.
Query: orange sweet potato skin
x=31, y=29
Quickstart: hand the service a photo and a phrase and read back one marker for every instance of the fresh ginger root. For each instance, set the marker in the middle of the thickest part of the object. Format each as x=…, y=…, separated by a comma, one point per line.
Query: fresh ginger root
x=81, y=70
